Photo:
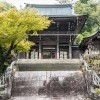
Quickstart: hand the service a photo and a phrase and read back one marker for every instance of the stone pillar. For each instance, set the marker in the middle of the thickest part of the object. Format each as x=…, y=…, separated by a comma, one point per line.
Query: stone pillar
x=40, y=47
x=57, y=46
x=70, y=48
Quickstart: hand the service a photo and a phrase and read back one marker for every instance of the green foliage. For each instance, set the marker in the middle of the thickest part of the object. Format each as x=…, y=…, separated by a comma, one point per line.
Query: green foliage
x=14, y=25
x=84, y=1
x=93, y=60
x=63, y=1
x=4, y=6
x=3, y=52
x=78, y=39
x=95, y=63
x=98, y=90
x=93, y=22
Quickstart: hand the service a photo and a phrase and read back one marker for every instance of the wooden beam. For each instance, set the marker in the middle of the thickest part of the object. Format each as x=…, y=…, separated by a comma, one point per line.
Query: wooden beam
x=57, y=34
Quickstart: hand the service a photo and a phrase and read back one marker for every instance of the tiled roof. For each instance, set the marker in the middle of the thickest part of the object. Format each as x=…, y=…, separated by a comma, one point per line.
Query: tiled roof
x=85, y=40
x=53, y=9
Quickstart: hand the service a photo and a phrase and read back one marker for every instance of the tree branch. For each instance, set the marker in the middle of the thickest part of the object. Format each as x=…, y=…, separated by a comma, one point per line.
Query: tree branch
x=10, y=48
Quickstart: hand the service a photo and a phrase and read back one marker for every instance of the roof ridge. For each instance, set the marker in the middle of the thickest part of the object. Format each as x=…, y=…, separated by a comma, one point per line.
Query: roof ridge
x=49, y=5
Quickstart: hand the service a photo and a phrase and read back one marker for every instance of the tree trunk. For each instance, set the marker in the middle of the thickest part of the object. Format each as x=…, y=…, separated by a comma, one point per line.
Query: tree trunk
x=6, y=57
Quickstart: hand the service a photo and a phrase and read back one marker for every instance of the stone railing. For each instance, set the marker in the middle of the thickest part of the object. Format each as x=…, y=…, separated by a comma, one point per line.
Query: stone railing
x=2, y=81
x=91, y=77
x=6, y=80
x=96, y=79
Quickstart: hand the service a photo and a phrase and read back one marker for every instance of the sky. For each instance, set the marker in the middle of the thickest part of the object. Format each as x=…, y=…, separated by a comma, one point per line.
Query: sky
x=20, y=3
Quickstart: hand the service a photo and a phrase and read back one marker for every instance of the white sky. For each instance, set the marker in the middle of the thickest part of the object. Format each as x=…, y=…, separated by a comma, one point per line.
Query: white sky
x=19, y=3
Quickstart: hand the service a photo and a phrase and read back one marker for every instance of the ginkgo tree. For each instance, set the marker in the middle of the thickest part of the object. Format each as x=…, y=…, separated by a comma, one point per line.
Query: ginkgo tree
x=14, y=25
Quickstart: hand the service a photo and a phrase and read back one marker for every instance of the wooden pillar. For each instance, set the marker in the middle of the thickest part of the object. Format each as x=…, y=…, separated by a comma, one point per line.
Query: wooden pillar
x=77, y=27
x=70, y=48
x=27, y=55
x=40, y=47
x=57, y=46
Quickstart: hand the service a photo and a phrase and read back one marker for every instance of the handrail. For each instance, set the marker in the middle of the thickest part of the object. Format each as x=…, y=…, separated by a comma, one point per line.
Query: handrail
x=95, y=77
x=7, y=78
x=2, y=81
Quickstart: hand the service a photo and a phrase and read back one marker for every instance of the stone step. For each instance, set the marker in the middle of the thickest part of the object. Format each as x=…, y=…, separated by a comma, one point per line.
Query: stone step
x=24, y=91
x=48, y=64
x=49, y=61
x=23, y=83
x=49, y=67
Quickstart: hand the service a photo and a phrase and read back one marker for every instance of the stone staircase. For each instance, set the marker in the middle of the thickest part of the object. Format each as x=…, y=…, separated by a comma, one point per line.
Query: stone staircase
x=29, y=85
x=34, y=78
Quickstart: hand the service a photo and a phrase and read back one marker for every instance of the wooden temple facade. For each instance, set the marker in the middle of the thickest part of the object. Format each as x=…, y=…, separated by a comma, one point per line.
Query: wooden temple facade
x=56, y=42
x=91, y=44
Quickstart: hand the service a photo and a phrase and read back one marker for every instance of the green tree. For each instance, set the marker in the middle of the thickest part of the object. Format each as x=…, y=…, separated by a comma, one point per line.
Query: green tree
x=4, y=6
x=84, y=1
x=93, y=22
x=63, y=1
x=13, y=27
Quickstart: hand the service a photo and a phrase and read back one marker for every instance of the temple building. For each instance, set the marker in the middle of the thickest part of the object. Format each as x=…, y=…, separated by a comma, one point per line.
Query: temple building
x=56, y=42
x=91, y=44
